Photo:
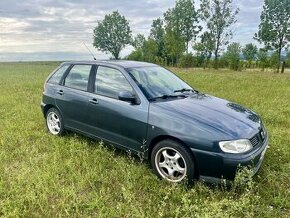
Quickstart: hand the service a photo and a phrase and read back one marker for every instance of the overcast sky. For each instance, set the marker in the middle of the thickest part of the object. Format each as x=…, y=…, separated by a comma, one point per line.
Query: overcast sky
x=55, y=30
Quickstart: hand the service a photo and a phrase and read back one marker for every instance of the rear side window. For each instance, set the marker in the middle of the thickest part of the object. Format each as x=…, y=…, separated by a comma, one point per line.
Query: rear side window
x=78, y=77
x=110, y=82
x=56, y=77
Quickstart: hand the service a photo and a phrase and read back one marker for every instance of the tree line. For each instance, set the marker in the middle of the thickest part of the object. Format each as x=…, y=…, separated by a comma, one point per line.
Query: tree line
x=179, y=32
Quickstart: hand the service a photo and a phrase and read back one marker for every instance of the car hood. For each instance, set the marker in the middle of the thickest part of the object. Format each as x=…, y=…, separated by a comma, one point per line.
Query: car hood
x=227, y=117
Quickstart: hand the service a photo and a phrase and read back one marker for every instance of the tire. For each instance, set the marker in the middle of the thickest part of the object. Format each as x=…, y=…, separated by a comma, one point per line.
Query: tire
x=173, y=162
x=54, y=122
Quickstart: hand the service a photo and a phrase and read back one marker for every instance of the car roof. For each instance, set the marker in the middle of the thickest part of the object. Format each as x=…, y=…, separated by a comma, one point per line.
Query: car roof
x=119, y=63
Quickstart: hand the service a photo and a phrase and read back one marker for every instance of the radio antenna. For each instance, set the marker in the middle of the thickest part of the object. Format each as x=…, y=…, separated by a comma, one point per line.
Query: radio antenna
x=90, y=51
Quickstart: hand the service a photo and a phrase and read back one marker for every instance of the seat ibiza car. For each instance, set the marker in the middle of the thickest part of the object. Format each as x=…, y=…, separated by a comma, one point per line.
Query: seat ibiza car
x=145, y=108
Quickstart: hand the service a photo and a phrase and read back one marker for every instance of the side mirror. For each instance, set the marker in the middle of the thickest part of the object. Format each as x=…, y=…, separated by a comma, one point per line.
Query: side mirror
x=127, y=96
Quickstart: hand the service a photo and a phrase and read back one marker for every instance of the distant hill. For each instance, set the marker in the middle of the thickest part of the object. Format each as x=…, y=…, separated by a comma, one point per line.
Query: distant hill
x=283, y=55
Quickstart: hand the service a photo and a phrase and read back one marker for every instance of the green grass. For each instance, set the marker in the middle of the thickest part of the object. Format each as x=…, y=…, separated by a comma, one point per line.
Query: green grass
x=43, y=175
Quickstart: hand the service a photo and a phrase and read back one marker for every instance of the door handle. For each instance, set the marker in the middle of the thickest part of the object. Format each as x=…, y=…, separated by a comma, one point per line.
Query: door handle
x=94, y=101
x=60, y=92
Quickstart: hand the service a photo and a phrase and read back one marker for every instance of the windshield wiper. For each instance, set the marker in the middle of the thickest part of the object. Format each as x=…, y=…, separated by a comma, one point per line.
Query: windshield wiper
x=185, y=90
x=165, y=97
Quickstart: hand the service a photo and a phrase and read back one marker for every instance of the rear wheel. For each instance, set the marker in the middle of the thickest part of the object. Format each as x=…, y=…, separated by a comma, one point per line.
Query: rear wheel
x=54, y=122
x=172, y=161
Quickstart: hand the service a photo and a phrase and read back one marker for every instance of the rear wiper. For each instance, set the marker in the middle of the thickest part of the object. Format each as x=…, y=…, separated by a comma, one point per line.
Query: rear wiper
x=165, y=97
x=185, y=90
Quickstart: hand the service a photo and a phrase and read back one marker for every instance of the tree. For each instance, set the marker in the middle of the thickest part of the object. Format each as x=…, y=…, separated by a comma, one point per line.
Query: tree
x=219, y=17
x=150, y=50
x=183, y=19
x=232, y=55
x=272, y=60
x=274, y=29
x=262, y=57
x=174, y=46
x=138, y=41
x=136, y=55
x=250, y=51
x=173, y=41
x=112, y=34
x=146, y=49
x=205, y=47
x=157, y=34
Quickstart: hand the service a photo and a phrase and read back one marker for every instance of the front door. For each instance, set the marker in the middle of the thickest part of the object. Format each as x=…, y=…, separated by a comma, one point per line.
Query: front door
x=114, y=120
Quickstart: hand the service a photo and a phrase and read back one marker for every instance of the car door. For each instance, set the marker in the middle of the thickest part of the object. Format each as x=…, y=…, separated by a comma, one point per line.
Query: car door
x=114, y=120
x=72, y=97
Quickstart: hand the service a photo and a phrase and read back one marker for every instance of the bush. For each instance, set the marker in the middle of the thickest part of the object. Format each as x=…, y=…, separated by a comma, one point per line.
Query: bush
x=232, y=56
x=186, y=61
x=263, y=60
x=273, y=62
x=288, y=60
x=160, y=61
x=221, y=63
x=136, y=55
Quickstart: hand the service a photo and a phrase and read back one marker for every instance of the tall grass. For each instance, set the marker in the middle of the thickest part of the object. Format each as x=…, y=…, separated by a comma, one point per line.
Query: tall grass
x=43, y=175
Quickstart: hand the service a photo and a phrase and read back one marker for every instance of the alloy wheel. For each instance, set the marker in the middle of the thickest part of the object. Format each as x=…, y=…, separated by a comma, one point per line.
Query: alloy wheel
x=53, y=123
x=170, y=164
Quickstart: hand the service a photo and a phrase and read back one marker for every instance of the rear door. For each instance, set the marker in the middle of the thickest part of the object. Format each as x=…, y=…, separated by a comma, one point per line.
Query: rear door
x=114, y=120
x=72, y=96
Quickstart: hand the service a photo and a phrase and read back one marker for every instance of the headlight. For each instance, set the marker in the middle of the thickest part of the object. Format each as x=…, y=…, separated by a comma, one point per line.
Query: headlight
x=237, y=146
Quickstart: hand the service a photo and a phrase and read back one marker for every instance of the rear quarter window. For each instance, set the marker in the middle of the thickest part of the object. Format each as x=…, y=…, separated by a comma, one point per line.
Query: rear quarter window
x=78, y=77
x=56, y=77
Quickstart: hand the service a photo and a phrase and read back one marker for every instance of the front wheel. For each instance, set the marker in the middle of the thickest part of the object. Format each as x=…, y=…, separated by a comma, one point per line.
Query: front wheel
x=54, y=122
x=172, y=161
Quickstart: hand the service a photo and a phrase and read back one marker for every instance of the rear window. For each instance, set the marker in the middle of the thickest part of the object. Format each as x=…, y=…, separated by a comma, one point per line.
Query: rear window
x=56, y=77
x=78, y=77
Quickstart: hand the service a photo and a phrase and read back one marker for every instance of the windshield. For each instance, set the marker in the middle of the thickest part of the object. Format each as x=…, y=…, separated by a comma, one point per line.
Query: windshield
x=156, y=82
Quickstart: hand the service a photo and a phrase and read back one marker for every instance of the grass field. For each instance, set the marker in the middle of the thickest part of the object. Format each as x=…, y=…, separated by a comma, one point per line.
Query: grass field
x=43, y=175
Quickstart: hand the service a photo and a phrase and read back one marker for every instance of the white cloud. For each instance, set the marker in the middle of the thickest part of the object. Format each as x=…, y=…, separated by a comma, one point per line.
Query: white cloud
x=50, y=26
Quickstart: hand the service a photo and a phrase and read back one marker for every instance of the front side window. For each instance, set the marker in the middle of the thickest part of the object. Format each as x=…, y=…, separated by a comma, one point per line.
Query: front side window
x=78, y=77
x=56, y=77
x=110, y=82
x=157, y=81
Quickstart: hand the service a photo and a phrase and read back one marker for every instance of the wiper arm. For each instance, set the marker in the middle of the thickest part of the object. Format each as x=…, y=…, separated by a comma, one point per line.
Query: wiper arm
x=185, y=90
x=165, y=97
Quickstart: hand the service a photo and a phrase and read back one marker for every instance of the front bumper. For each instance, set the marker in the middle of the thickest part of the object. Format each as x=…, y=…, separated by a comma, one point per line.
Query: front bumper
x=42, y=105
x=216, y=166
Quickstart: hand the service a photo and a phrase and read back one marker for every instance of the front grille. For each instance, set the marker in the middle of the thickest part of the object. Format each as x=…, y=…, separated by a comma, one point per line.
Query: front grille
x=255, y=140
x=259, y=137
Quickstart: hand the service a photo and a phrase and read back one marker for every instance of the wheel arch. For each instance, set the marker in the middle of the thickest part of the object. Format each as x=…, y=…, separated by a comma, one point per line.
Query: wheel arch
x=46, y=108
x=49, y=106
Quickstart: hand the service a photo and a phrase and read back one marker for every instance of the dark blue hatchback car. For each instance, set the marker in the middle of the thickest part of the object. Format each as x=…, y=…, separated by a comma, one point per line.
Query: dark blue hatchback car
x=145, y=108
